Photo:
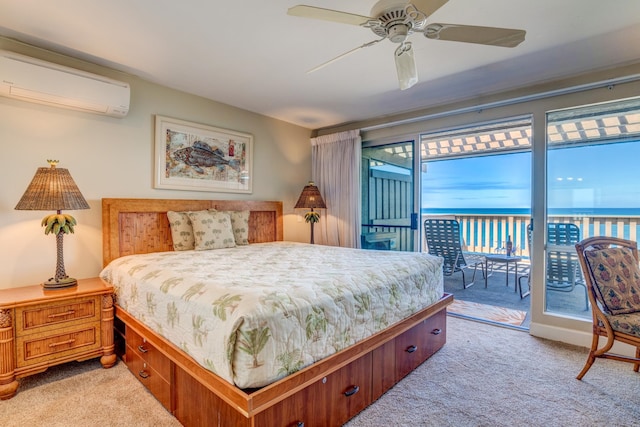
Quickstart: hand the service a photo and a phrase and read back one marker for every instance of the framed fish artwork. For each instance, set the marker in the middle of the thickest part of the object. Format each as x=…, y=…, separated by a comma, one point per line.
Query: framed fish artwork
x=197, y=157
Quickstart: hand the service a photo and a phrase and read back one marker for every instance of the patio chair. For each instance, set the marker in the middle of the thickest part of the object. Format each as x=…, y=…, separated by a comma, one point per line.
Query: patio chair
x=563, y=269
x=444, y=240
x=610, y=267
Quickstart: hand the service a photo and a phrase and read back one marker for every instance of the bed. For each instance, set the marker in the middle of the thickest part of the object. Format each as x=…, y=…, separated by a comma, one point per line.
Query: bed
x=326, y=384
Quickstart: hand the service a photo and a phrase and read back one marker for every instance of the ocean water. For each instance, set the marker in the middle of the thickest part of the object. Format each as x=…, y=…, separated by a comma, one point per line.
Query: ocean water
x=624, y=230
x=608, y=212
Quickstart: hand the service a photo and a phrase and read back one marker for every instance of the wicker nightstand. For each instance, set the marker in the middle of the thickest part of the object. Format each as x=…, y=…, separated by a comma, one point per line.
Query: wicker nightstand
x=41, y=328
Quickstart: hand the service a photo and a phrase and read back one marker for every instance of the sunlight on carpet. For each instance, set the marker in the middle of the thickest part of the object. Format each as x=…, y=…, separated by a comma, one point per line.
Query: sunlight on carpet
x=488, y=312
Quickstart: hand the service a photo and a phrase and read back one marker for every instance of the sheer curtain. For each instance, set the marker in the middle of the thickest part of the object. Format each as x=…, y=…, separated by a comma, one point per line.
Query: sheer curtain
x=335, y=168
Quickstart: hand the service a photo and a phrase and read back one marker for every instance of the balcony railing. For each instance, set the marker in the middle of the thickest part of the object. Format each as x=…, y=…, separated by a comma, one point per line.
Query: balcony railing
x=489, y=233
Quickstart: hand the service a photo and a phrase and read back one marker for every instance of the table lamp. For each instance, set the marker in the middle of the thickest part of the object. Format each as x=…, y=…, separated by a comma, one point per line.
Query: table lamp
x=53, y=189
x=310, y=198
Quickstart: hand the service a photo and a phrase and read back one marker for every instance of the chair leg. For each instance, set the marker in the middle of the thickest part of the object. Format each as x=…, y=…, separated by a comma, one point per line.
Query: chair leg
x=524, y=294
x=591, y=358
x=587, y=365
x=594, y=352
x=636, y=366
x=466, y=285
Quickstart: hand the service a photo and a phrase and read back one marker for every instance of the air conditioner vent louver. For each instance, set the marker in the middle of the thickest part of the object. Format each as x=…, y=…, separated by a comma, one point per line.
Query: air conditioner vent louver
x=34, y=80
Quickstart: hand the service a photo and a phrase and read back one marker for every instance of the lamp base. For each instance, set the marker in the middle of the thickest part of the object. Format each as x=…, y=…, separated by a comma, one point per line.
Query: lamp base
x=60, y=284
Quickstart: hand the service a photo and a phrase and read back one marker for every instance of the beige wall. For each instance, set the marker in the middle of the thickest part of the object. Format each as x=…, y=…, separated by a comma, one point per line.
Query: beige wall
x=110, y=157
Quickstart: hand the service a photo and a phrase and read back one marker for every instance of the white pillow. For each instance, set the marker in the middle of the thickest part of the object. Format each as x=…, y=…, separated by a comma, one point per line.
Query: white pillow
x=181, y=230
x=239, y=224
x=211, y=230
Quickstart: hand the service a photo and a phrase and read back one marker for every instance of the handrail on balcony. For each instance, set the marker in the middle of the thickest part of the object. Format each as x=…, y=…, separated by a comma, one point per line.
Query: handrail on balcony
x=486, y=233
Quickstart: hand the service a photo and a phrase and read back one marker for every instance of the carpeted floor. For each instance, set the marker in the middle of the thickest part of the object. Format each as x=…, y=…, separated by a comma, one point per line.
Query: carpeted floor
x=484, y=376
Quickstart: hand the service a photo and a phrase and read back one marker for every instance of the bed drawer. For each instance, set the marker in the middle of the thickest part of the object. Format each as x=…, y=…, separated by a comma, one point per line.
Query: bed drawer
x=147, y=375
x=418, y=343
x=138, y=345
x=330, y=401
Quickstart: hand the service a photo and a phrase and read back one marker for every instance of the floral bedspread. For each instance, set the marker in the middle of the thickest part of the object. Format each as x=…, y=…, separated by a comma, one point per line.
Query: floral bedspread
x=254, y=314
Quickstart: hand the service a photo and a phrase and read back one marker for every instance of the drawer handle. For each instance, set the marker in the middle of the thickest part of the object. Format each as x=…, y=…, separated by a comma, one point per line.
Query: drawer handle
x=300, y=424
x=411, y=349
x=142, y=349
x=436, y=331
x=144, y=374
x=55, y=344
x=66, y=313
x=353, y=391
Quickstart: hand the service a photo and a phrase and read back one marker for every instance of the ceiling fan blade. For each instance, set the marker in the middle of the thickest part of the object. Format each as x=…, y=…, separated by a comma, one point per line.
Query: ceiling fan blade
x=406, y=66
x=327, y=15
x=493, y=36
x=331, y=61
x=428, y=7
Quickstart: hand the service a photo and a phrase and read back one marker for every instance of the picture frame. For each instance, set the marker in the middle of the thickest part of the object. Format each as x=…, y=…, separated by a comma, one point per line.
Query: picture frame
x=198, y=157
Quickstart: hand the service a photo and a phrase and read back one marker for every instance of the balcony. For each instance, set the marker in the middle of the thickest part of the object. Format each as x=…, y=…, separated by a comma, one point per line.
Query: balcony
x=486, y=234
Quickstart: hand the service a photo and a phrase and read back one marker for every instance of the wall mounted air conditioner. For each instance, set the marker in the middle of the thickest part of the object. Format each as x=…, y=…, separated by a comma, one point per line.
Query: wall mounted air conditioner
x=34, y=80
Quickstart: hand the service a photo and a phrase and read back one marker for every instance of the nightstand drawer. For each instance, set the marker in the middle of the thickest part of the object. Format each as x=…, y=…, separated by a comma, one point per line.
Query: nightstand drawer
x=37, y=348
x=56, y=315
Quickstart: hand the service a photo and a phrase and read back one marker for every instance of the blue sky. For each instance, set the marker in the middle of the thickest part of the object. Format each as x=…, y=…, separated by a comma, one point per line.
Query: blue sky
x=499, y=181
x=587, y=176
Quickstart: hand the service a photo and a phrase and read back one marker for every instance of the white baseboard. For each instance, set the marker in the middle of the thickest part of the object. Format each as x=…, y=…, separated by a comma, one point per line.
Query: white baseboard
x=555, y=333
x=571, y=336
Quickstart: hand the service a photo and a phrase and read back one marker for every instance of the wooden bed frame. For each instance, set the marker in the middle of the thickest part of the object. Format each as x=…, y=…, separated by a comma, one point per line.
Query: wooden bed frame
x=327, y=393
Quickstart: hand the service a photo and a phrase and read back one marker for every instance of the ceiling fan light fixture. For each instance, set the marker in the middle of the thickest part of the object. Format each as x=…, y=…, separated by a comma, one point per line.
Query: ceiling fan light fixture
x=406, y=66
x=398, y=33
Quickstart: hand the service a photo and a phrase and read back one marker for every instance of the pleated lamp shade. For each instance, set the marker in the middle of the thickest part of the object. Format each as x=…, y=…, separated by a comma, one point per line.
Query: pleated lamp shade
x=52, y=189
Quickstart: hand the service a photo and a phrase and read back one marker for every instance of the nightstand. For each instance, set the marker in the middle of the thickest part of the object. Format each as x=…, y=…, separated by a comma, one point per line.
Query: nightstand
x=42, y=328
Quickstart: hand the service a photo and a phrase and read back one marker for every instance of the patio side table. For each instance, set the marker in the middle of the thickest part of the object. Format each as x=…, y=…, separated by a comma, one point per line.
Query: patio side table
x=503, y=259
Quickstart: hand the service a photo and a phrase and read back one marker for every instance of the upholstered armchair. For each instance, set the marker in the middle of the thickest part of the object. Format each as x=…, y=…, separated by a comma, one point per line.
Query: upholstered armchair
x=610, y=268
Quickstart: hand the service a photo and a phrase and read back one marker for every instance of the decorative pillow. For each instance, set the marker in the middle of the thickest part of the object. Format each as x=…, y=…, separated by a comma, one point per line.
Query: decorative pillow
x=211, y=230
x=181, y=230
x=617, y=279
x=239, y=224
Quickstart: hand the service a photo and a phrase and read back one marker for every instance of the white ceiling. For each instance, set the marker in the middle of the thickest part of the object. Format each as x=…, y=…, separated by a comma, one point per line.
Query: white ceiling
x=252, y=55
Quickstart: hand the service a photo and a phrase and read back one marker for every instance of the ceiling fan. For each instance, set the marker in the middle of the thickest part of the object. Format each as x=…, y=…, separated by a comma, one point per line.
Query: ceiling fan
x=396, y=20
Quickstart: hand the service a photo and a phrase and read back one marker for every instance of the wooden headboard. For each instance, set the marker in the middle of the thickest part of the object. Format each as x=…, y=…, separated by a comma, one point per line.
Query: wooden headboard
x=135, y=226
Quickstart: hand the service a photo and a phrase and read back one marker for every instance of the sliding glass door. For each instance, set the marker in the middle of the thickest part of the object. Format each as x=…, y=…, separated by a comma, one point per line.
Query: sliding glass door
x=592, y=190
x=389, y=216
x=480, y=176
